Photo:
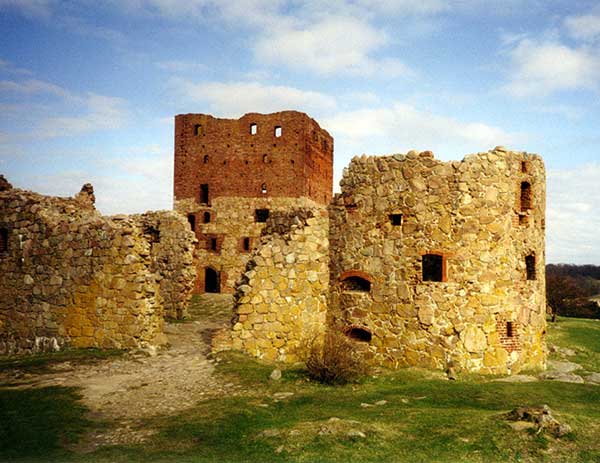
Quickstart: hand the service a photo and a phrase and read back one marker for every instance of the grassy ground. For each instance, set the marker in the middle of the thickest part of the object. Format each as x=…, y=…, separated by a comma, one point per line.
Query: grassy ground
x=425, y=419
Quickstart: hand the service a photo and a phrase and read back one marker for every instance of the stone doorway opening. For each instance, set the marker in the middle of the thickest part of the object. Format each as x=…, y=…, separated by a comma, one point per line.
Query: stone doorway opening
x=212, y=280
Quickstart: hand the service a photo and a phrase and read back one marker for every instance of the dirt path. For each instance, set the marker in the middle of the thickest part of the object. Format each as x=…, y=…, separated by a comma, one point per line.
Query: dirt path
x=142, y=384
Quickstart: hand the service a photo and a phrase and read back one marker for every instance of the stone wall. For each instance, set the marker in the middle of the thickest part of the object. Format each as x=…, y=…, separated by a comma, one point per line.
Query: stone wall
x=71, y=277
x=477, y=226
x=279, y=155
x=233, y=230
x=282, y=298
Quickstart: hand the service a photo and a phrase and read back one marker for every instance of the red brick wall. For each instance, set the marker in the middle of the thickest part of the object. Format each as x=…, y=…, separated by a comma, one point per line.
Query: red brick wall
x=298, y=163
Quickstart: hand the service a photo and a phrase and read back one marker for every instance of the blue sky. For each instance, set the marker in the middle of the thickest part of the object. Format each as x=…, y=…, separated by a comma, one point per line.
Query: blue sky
x=88, y=89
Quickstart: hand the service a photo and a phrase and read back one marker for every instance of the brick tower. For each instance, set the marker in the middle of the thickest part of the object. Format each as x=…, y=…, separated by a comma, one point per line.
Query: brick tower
x=230, y=173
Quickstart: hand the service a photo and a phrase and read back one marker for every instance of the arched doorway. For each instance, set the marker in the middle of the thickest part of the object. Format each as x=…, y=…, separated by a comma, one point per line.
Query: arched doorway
x=212, y=280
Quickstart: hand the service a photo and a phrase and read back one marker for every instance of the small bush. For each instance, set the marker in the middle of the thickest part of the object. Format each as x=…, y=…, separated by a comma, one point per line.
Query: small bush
x=335, y=361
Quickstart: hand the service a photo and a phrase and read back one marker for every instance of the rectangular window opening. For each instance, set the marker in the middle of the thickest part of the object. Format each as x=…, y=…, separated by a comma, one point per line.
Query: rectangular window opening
x=261, y=215
x=3, y=240
x=278, y=131
x=204, y=193
x=396, y=219
x=246, y=244
x=509, y=330
x=213, y=244
x=253, y=129
x=530, y=267
x=192, y=221
x=433, y=267
x=197, y=130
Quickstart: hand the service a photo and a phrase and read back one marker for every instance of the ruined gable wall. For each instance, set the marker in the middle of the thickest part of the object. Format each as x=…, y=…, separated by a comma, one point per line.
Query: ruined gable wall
x=72, y=277
x=232, y=220
x=281, y=301
x=485, y=316
x=233, y=162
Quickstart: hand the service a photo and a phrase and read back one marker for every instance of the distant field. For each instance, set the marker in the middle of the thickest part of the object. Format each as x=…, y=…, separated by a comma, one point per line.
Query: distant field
x=404, y=416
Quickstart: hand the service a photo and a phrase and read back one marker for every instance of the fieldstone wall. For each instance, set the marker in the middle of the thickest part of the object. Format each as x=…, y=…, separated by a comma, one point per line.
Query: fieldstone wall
x=477, y=226
x=70, y=276
x=229, y=231
x=281, y=300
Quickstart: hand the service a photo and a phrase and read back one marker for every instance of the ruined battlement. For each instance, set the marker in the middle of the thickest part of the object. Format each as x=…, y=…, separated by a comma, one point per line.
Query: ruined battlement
x=285, y=154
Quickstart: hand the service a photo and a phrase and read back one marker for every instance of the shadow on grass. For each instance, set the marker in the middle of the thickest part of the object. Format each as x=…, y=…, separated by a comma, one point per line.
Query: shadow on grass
x=37, y=424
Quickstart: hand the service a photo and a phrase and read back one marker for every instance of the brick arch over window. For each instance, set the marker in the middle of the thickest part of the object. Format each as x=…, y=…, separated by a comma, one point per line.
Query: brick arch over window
x=356, y=280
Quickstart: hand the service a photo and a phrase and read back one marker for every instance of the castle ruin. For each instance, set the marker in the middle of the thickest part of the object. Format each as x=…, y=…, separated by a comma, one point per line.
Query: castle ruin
x=417, y=261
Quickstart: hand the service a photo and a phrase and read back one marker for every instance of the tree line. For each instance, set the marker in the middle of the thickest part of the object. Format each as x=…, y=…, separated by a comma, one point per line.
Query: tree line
x=569, y=289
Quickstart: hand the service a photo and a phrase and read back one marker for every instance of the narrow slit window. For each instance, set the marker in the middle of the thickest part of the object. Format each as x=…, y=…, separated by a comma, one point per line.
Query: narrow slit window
x=213, y=244
x=356, y=283
x=261, y=215
x=3, y=240
x=265, y=158
x=206, y=159
x=359, y=334
x=530, y=267
x=253, y=129
x=192, y=221
x=197, y=130
x=396, y=219
x=433, y=267
x=206, y=217
x=278, y=131
x=246, y=244
x=524, y=167
x=204, y=193
x=263, y=188
x=509, y=330
x=526, y=198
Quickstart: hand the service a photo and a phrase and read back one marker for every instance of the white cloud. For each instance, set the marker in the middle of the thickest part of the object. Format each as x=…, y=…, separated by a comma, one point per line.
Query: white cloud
x=573, y=218
x=236, y=98
x=7, y=66
x=33, y=86
x=540, y=68
x=100, y=113
x=585, y=27
x=32, y=8
x=336, y=44
x=177, y=66
x=409, y=128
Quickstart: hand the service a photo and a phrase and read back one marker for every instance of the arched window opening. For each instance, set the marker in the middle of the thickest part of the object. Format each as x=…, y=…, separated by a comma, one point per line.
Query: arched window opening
x=204, y=193
x=356, y=283
x=192, y=221
x=359, y=334
x=253, y=129
x=206, y=217
x=212, y=280
x=3, y=240
x=263, y=188
x=530, y=267
x=197, y=130
x=206, y=159
x=278, y=131
x=526, y=198
x=433, y=267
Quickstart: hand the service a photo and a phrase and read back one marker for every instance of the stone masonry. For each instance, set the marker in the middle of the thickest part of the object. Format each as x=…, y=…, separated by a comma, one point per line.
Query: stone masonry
x=441, y=264
x=71, y=277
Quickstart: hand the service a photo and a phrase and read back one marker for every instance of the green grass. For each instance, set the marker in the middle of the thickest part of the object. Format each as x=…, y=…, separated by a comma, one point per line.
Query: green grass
x=426, y=419
x=580, y=334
